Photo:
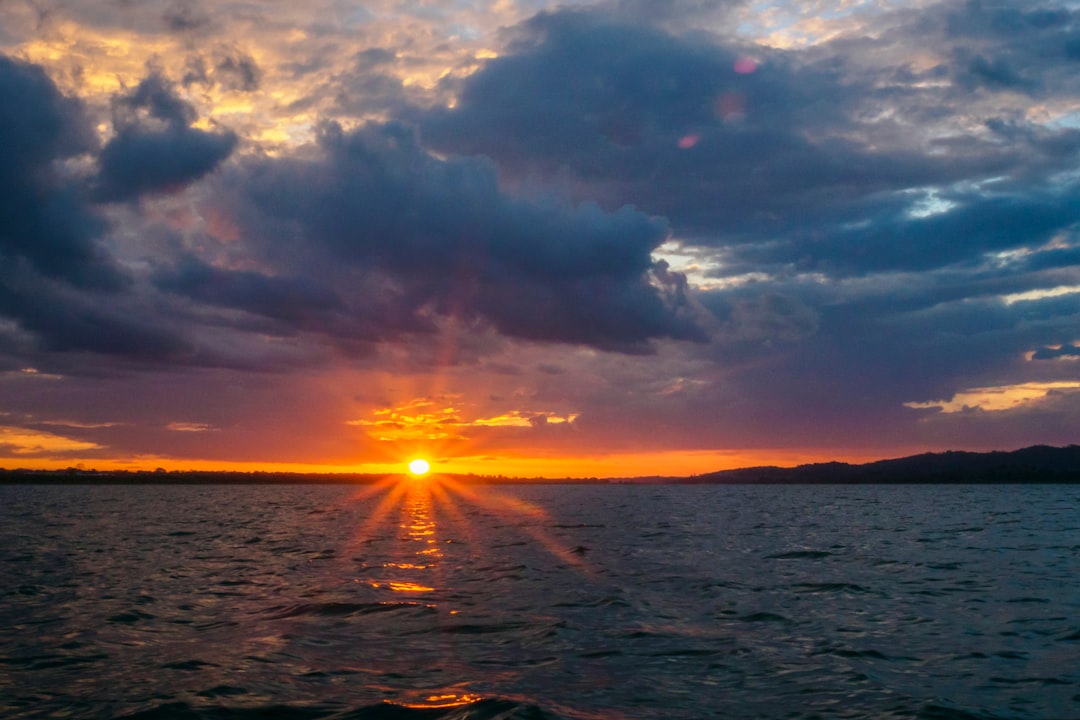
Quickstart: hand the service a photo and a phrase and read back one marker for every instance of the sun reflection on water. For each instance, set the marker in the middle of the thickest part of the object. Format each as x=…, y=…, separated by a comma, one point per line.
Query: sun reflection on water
x=418, y=551
x=429, y=516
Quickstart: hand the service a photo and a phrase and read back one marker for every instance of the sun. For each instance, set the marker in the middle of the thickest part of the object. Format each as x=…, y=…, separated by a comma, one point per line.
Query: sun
x=419, y=467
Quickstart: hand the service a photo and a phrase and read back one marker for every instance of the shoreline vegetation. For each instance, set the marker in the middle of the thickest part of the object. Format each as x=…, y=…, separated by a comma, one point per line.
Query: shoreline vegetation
x=1036, y=464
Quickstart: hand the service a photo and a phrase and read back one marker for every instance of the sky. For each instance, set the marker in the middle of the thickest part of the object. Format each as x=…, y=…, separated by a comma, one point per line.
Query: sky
x=613, y=238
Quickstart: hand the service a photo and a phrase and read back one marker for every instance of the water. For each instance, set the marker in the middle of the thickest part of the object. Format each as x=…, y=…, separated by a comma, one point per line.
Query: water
x=536, y=602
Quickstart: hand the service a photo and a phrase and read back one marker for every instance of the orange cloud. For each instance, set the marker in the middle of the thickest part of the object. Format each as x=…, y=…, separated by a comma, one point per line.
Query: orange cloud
x=21, y=441
x=997, y=398
x=425, y=419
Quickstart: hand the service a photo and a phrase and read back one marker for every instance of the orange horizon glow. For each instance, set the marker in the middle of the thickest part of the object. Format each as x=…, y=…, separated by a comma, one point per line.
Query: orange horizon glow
x=668, y=463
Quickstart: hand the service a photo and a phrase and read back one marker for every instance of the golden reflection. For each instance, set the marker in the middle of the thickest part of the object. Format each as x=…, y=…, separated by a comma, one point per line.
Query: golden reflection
x=424, y=700
x=407, y=587
x=414, y=566
x=419, y=553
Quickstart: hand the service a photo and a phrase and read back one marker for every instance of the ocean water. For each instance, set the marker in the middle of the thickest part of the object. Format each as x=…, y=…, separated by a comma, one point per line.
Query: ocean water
x=434, y=601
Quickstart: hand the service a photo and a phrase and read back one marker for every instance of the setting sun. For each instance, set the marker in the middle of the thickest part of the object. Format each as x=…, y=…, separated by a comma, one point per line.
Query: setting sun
x=419, y=467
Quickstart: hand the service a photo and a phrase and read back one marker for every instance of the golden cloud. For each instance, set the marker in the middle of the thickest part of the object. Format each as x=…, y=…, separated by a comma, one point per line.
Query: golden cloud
x=997, y=398
x=22, y=441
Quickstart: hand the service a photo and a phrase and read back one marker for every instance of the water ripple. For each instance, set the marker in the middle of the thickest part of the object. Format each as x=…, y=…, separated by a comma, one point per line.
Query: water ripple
x=602, y=603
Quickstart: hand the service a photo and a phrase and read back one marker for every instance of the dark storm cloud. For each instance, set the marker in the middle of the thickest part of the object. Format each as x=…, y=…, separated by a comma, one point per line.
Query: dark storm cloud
x=574, y=89
x=64, y=292
x=894, y=240
x=1006, y=46
x=285, y=306
x=726, y=142
x=281, y=298
x=994, y=74
x=44, y=220
x=880, y=255
x=155, y=149
x=446, y=237
x=63, y=320
x=1072, y=47
x=1003, y=19
x=739, y=145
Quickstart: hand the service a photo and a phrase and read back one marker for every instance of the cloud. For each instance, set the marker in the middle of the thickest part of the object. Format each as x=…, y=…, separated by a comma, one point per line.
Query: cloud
x=1066, y=351
x=767, y=317
x=448, y=241
x=44, y=220
x=606, y=108
x=884, y=212
x=237, y=71
x=995, y=74
x=27, y=442
x=59, y=286
x=978, y=223
x=228, y=68
x=998, y=399
x=443, y=419
x=189, y=427
x=857, y=259
x=155, y=149
x=185, y=16
x=63, y=291
x=374, y=57
x=820, y=139
x=286, y=306
x=281, y=298
x=66, y=320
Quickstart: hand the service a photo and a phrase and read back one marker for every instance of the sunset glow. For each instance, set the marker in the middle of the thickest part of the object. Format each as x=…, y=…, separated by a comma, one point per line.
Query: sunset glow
x=535, y=239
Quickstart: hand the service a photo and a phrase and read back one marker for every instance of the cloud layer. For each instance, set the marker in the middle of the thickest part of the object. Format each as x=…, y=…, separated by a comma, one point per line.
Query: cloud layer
x=155, y=149
x=738, y=230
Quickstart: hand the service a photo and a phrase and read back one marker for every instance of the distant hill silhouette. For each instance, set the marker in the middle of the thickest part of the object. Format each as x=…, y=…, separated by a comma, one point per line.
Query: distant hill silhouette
x=1036, y=464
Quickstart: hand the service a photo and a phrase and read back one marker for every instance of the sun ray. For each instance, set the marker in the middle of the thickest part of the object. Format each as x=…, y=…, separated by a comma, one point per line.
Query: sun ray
x=446, y=502
x=498, y=503
x=421, y=500
x=395, y=490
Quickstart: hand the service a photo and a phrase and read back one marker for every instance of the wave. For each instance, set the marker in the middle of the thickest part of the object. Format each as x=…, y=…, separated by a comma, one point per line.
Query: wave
x=800, y=555
x=489, y=709
x=336, y=609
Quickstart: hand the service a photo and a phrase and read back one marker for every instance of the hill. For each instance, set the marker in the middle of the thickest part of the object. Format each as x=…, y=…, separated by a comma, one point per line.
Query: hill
x=1036, y=464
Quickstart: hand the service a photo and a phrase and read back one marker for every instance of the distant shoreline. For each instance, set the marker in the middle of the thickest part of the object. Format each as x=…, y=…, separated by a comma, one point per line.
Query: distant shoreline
x=1038, y=464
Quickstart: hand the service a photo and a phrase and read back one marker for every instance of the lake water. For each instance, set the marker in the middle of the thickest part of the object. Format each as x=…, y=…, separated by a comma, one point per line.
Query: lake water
x=421, y=600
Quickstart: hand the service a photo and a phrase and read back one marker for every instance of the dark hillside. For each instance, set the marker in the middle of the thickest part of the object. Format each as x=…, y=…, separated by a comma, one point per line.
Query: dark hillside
x=1036, y=464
